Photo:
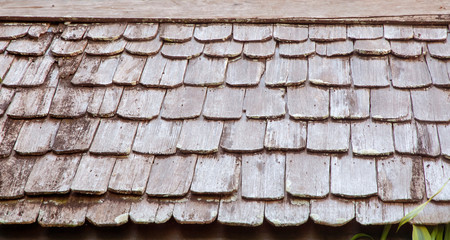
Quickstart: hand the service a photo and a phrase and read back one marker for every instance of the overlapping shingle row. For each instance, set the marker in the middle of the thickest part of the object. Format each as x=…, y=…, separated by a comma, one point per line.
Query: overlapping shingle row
x=218, y=121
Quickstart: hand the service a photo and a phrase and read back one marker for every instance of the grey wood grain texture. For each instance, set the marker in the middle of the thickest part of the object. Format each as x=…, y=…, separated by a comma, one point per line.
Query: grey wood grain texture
x=105, y=48
x=398, y=32
x=176, y=32
x=106, y=31
x=417, y=138
x=372, y=139
x=36, y=137
x=157, y=137
x=144, y=48
x=439, y=71
x=237, y=211
x=349, y=103
x=63, y=211
x=370, y=71
x=290, y=32
x=64, y=48
x=301, y=49
x=406, y=49
x=388, y=104
x=129, y=69
x=287, y=212
x=243, y=135
x=365, y=31
x=141, y=31
x=164, y=213
x=400, y=179
x=35, y=74
x=6, y=96
x=327, y=32
x=444, y=139
x=244, y=72
x=109, y=211
x=332, y=211
x=13, y=31
x=285, y=72
x=181, y=171
x=163, y=72
x=144, y=210
x=216, y=174
x=37, y=30
x=23, y=211
x=185, y=50
x=140, y=104
x=361, y=172
x=30, y=46
x=260, y=49
x=430, y=33
x=93, y=175
x=252, y=32
x=213, y=32
x=373, y=47
x=196, y=211
x=52, y=174
x=373, y=211
x=431, y=105
x=285, y=134
x=335, y=48
x=183, y=103
x=223, y=49
x=200, y=136
x=130, y=174
x=197, y=75
x=264, y=102
x=434, y=214
x=5, y=64
x=224, y=103
x=3, y=45
x=307, y=175
x=16, y=71
x=439, y=49
x=308, y=102
x=75, y=135
x=74, y=32
x=409, y=73
x=105, y=101
x=263, y=176
x=328, y=137
x=95, y=71
x=114, y=137
x=14, y=172
x=70, y=101
x=436, y=172
x=336, y=74
x=9, y=130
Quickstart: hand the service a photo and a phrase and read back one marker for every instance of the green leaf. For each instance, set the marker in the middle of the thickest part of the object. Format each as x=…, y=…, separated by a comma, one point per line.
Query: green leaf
x=447, y=232
x=435, y=232
x=420, y=233
x=385, y=231
x=419, y=209
x=440, y=232
x=361, y=235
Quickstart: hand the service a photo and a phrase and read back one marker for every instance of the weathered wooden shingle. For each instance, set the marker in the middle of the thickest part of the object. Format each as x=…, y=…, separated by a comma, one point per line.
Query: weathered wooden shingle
x=75, y=135
x=332, y=211
x=36, y=30
x=23, y=211
x=9, y=130
x=372, y=138
x=406, y=49
x=140, y=31
x=264, y=103
x=185, y=50
x=243, y=135
x=70, y=101
x=130, y=175
x=149, y=210
x=440, y=49
x=63, y=211
x=436, y=171
x=34, y=73
x=285, y=72
x=13, y=31
x=200, y=136
x=294, y=50
x=328, y=137
x=327, y=32
x=308, y=102
x=335, y=48
x=287, y=212
x=263, y=176
x=430, y=33
x=372, y=47
x=74, y=32
x=349, y=103
x=238, y=211
x=62, y=48
x=176, y=32
x=434, y=214
x=400, y=179
x=216, y=174
x=3, y=45
x=144, y=48
x=163, y=72
x=416, y=139
x=36, y=137
x=444, y=139
x=109, y=211
x=197, y=75
x=52, y=174
x=223, y=49
x=183, y=102
x=104, y=101
x=196, y=211
x=106, y=32
x=14, y=172
x=157, y=137
x=244, y=72
x=114, y=137
x=171, y=176
x=409, y=73
x=252, y=32
x=128, y=71
x=402, y=32
x=290, y=32
x=95, y=71
x=93, y=175
x=140, y=104
x=224, y=103
x=285, y=134
x=307, y=175
x=5, y=63
x=105, y=48
x=389, y=104
x=439, y=71
x=353, y=176
x=260, y=49
x=30, y=46
x=431, y=105
x=370, y=71
x=365, y=31
x=373, y=211
x=6, y=96
x=336, y=74
x=213, y=32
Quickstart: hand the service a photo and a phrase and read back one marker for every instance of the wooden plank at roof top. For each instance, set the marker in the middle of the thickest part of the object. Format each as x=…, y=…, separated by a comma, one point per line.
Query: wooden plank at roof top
x=296, y=10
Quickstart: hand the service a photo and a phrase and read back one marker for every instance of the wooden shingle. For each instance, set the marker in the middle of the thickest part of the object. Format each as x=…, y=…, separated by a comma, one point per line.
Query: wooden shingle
x=223, y=49
x=14, y=173
x=224, y=103
x=70, y=101
x=373, y=211
x=349, y=103
x=95, y=71
x=264, y=103
x=431, y=105
x=157, y=137
x=176, y=32
x=436, y=171
x=416, y=139
x=213, y=32
x=260, y=49
x=372, y=47
x=64, y=48
x=36, y=137
x=140, y=104
x=36, y=73
x=429, y=33
x=439, y=71
x=285, y=134
x=370, y=71
x=6, y=96
x=294, y=50
x=114, y=137
x=328, y=137
x=140, y=31
x=444, y=139
x=75, y=135
x=106, y=32
x=9, y=130
x=285, y=72
x=185, y=50
x=365, y=31
x=110, y=211
x=406, y=49
x=106, y=48
x=93, y=175
x=163, y=72
x=287, y=212
x=290, y=32
x=327, y=32
x=389, y=104
x=372, y=138
x=144, y=48
x=243, y=135
x=336, y=48
x=130, y=175
x=63, y=211
x=30, y=46
x=409, y=73
x=434, y=214
x=332, y=211
x=183, y=102
x=308, y=102
x=336, y=74
x=74, y=32
x=200, y=136
x=244, y=72
x=240, y=212
x=23, y=211
x=252, y=33
x=144, y=210
x=105, y=101
x=196, y=211
x=197, y=76
x=13, y=31
x=402, y=32
x=129, y=68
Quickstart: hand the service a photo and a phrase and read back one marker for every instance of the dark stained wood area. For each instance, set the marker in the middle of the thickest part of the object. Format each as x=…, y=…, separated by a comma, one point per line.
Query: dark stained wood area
x=418, y=11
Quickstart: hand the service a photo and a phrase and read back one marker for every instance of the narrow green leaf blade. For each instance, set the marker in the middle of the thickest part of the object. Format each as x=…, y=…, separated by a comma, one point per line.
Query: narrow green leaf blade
x=440, y=232
x=435, y=232
x=420, y=233
x=447, y=232
x=385, y=231
x=361, y=235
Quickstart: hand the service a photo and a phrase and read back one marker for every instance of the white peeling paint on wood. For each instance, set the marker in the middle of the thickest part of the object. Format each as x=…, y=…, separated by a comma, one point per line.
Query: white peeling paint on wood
x=93, y=175
x=332, y=211
x=130, y=175
x=373, y=211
